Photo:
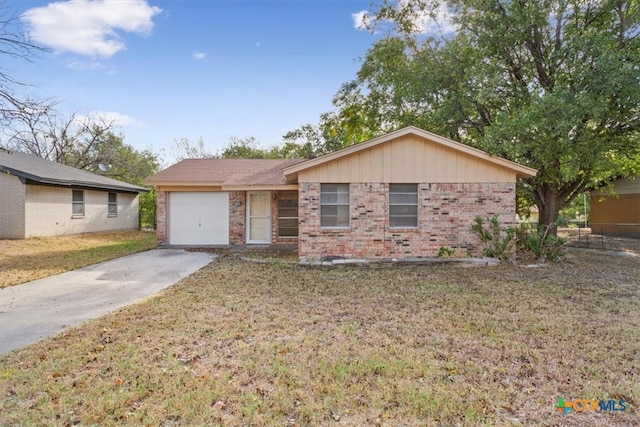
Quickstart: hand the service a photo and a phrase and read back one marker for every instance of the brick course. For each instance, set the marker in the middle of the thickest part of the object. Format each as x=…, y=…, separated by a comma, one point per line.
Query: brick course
x=161, y=217
x=445, y=214
x=237, y=214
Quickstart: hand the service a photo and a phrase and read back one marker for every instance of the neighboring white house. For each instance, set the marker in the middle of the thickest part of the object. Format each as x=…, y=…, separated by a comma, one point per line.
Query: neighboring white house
x=39, y=197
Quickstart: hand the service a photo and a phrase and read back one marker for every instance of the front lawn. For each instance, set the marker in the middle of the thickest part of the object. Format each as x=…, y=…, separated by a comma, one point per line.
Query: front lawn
x=243, y=343
x=25, y=260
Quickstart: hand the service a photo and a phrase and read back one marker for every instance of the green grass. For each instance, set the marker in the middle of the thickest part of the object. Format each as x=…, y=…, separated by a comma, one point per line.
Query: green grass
x=240, y=343
x=30, y=259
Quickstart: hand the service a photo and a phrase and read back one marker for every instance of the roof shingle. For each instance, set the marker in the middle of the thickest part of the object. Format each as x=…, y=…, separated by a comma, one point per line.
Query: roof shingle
x=225, y=172
x=42, y=171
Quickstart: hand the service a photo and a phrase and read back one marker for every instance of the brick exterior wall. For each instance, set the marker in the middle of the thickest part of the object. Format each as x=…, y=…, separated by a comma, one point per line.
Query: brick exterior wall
x=445, y=214
x=161, y=217
x=48, y=212
x=237, y=214
x=12, y=194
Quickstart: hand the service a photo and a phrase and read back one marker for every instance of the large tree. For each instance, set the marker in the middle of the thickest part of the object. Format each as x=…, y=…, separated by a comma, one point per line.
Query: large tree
x=554, y=84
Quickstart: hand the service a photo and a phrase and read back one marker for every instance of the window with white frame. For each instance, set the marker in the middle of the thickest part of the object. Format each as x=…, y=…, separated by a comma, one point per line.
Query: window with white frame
x=334, y=205
x=113, y=204
x=403, y=205
x=77, y=203
x=288, y=214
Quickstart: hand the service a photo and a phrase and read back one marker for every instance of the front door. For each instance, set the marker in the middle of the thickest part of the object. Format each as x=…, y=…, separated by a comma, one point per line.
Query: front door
x=258, y=217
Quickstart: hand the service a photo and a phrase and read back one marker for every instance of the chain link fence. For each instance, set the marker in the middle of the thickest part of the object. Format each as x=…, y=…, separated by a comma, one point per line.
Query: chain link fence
x=616, y=237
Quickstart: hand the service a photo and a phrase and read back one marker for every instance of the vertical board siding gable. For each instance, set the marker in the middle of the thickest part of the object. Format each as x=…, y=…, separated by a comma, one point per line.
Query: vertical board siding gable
x=407, y=159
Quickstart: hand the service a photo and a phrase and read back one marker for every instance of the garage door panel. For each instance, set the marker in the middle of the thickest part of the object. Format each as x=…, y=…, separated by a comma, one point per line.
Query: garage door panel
x=198, y=218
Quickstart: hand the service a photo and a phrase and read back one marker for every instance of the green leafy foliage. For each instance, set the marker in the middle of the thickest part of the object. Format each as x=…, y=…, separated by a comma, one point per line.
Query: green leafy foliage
x=551, y=84
x=499, y=242
x=540, y=243
x=127, y=164
x=445, y=252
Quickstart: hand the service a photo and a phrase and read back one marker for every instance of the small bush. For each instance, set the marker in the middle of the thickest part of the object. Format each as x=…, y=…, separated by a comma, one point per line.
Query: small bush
x=445, y=252
x=499, y=242
x=541, y=243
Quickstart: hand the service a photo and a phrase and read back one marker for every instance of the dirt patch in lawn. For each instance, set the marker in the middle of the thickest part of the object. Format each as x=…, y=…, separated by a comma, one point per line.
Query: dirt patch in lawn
x=25, y=260
x=242, y=343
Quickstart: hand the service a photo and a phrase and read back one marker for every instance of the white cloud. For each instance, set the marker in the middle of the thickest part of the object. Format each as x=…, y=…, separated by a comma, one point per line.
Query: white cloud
x=89, y=27
x=117, y=119
x=78, y=65
x=199, y=55
x=436, y=18
x=439, y=19
x=362, y=20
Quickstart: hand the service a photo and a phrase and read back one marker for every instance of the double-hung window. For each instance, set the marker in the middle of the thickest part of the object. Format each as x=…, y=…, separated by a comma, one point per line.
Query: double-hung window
x=77, y=203
x=334, y=205
x=403, y=205
x=113, y=204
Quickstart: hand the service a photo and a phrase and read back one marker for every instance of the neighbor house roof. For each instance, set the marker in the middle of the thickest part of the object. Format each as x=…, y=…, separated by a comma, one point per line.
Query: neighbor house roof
x=226, y=173
x=37, y=170
x=520, y=170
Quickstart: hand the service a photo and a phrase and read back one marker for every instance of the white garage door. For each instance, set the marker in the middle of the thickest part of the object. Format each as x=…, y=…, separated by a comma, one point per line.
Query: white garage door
x=198, y=218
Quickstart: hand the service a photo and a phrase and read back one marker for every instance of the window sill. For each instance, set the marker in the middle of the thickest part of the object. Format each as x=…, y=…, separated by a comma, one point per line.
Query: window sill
x=112, y=216
x=77, y=216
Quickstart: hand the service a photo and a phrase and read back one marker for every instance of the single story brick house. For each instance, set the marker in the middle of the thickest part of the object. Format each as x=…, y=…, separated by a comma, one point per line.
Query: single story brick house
x=619, y=214
x=404, y=194
x=44, y=198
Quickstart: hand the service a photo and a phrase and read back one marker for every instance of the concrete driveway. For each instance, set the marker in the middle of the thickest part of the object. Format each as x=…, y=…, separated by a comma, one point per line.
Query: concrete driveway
x=44, y=307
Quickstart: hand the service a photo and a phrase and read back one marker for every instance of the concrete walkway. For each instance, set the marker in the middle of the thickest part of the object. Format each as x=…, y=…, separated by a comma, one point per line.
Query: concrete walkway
x=44, y=307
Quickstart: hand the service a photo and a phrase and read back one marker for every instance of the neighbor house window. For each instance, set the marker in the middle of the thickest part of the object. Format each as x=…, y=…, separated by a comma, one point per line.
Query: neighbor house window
x=288, y=214
x=77, y=203
x=113, y=204
x=403, y=205
x=334, y=205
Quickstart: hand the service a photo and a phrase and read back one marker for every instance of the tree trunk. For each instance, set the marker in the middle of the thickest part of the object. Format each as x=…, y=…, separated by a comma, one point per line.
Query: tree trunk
x=547, y=199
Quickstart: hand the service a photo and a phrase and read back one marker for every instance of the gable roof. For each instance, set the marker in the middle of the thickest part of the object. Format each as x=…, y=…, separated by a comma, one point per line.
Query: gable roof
x=227, y=173
x=520, y=170
x=37, y=170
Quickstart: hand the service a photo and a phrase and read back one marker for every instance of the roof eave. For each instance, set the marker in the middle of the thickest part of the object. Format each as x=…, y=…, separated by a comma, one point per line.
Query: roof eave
x=88, y=185
x=260, y=187
x=179, y=182
x=70, y=183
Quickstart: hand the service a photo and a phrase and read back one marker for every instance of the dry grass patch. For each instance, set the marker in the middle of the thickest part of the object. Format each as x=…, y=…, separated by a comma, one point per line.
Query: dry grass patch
x=240, y=343
x=30, y=259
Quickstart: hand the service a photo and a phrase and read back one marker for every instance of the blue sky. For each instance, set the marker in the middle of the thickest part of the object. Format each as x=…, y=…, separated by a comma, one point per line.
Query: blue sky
x=214, y=69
